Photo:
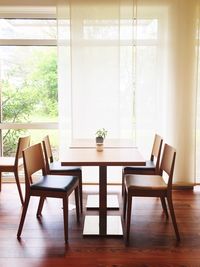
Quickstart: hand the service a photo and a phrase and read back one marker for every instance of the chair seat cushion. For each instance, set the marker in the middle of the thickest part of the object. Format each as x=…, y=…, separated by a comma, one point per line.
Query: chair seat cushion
x=56, y=167
x=57, y=183
x=150, y=166
x=144, y=182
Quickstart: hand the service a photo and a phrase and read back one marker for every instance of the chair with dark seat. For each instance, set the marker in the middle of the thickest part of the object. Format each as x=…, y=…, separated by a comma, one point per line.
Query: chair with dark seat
x=151, y=166
x=55, y=186
x=14, y=164
x=152, y=186
x=54, y=167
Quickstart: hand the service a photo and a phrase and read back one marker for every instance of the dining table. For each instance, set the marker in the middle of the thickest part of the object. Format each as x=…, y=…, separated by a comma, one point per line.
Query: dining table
x=102, y=224
x=93, y=199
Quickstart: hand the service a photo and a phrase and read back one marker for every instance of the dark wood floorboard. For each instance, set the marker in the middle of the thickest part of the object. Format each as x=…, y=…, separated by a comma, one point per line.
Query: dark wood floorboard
x=152, y=241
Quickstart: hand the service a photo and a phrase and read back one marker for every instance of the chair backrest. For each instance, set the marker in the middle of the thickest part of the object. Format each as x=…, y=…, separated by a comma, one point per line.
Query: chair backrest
x=33, y=162
x=156, y=150
x=47, y=151
x=23, y=143
x=168, y=162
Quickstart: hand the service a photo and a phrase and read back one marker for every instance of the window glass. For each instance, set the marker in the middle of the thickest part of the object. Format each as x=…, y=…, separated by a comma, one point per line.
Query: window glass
x=147, y=29
x=28, y=29
x=29, y=84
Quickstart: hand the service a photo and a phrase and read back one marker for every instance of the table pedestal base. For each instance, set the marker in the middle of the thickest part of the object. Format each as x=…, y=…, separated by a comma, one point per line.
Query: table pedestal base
x=91, y=226
x=93, y=202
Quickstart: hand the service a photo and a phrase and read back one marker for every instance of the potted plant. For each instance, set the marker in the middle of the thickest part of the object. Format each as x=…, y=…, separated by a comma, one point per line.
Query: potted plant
x=100, y=135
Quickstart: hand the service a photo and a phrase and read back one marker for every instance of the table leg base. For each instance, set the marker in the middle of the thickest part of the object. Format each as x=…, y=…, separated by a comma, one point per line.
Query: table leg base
x=93, y=202
x=91, y=226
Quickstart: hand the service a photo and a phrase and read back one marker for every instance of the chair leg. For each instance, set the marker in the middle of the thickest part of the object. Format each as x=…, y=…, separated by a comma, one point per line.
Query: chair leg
x=19, y=187
x=172, y=213
x=77, y=191
x=25, y=207
x=31, y=180
x=164, y=206
x=0, y=181
x=123, y=185
x=128, y=222
x=65, y=217
x=81, y=192
x=40, y=206
x=124, y=203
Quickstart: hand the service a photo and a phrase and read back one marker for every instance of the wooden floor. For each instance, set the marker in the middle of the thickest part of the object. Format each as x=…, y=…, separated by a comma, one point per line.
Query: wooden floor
x=152, y=241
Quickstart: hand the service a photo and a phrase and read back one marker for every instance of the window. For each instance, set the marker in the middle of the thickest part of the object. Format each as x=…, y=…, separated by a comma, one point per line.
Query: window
x=28, y=76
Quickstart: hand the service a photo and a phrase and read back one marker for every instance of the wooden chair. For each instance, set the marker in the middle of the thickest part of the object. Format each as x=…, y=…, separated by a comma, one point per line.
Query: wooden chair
x=14, y=164
x=56, y=186
x=54, y=167
x=152, y=165
x=152, y=186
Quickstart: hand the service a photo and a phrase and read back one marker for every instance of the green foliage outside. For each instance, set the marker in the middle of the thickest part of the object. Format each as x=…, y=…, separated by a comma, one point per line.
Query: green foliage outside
x=29, y=93
x=43, y=80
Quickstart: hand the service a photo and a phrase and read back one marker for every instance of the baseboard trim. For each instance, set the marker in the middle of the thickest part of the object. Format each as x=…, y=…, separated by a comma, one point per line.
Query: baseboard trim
x=183, y=187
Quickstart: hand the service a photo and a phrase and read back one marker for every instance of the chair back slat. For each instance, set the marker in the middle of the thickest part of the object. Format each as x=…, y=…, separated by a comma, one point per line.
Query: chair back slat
x=47, y=148
x=23, y=143
x=168, y=162
x=31, y=165
x=47, y=152
x=156, y=150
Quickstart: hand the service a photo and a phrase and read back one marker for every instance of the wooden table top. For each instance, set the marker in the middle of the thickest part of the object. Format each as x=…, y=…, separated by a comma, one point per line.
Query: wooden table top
x=108, y=143
x=107, y=157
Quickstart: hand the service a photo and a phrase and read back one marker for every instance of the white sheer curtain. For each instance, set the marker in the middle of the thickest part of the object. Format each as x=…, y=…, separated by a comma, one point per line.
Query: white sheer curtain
x=131, y=67
x=98, y=97
x=64, y=74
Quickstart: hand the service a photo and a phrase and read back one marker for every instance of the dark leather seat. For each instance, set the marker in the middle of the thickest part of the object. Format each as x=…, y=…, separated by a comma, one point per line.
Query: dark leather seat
x=136, y=182
x=150, y=166
x=56, y=166
x=56, y=183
